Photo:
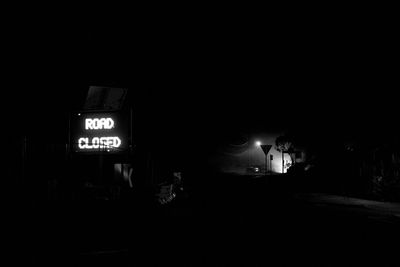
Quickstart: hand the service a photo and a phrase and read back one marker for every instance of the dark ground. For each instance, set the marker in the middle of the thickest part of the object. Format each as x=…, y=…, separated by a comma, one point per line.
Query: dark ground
x=241, y=222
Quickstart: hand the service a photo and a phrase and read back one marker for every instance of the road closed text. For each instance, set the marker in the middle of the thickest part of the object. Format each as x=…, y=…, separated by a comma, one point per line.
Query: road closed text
x=99, y=123
x=109, y=142
x=99, y=133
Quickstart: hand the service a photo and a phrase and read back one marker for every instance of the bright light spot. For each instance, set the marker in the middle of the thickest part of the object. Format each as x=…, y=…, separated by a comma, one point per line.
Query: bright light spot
x=258, y=143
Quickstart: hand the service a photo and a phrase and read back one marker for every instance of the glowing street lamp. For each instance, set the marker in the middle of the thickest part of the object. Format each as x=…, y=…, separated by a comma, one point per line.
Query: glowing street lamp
x=259, y=144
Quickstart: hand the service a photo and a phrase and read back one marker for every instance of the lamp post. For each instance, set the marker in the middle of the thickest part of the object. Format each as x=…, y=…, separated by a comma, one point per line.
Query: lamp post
x=258, y=144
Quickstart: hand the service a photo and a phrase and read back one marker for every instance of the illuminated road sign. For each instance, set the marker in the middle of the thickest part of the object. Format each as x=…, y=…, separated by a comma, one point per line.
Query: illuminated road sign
x=100, y=132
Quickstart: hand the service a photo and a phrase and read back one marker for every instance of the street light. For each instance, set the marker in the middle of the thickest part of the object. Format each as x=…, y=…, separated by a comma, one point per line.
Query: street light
x=258, y=144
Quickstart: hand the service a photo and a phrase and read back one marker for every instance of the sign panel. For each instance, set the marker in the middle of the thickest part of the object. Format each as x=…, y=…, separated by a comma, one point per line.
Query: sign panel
x=266, y=148
x=100, y=132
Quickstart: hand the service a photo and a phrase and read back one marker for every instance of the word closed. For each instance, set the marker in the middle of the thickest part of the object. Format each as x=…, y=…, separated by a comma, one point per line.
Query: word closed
x=99, y=142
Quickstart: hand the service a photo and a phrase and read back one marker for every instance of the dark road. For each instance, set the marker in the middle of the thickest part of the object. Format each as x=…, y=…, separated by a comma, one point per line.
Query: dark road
x=245, y=223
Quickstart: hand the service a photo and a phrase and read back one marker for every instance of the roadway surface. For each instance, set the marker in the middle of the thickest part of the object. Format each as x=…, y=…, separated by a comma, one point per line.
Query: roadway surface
x=245, y=222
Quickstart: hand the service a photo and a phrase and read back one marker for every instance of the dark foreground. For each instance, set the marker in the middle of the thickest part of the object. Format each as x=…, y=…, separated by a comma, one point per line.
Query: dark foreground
x=246, y=222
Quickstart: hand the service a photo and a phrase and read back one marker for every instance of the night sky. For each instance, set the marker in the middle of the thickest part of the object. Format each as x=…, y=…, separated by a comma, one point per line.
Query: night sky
x=213, y=76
